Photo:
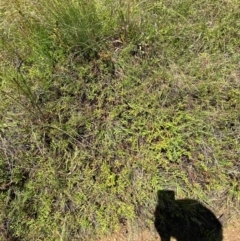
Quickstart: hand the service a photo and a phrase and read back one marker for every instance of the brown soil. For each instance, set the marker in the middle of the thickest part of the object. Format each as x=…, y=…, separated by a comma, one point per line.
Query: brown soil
x=231, y=232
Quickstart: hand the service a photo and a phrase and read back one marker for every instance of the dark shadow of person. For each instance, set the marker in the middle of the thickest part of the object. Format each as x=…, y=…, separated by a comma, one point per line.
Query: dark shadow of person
x=185, y=220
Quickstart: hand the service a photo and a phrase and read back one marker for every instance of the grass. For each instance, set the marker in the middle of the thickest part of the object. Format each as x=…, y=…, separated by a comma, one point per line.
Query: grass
x=103, y=104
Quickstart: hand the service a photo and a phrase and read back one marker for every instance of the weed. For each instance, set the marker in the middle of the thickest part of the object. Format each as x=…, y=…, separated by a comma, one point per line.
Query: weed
x=104, y=103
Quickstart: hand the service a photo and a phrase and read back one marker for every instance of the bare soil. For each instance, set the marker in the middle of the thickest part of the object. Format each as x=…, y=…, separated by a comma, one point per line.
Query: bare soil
x=231, y=232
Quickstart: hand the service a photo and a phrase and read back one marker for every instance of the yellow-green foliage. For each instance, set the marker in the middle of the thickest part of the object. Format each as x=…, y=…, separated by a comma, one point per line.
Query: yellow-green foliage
x=102, y=103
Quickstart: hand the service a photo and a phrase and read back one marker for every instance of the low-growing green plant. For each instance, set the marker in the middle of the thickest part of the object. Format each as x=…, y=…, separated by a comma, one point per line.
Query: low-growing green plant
x=104, y=103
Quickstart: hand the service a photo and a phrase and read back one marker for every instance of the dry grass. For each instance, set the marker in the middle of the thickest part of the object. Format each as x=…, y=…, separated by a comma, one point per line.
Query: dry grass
x=102, y=105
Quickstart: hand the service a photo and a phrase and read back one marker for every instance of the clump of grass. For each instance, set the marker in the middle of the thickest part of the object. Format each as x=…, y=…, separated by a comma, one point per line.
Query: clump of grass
x=103, y=104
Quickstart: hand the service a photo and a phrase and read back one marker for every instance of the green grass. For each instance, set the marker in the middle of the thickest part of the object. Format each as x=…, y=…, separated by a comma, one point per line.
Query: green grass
x=103, y=104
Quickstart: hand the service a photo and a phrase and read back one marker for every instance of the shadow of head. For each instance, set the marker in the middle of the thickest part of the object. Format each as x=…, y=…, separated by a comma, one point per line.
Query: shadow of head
x=185, y=220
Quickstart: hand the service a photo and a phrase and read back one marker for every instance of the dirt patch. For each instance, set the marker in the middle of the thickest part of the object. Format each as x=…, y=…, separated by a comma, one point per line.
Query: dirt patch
x=232, y=231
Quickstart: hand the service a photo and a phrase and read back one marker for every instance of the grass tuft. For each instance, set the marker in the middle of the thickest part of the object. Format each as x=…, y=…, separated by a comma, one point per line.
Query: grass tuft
x=104, y=103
